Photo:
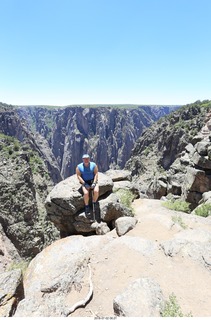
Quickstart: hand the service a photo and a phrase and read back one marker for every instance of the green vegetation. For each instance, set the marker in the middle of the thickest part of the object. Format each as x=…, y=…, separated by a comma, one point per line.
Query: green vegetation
x=35, y=161
x=177, y=205
x=172, y=308
x=126, y=198
x=188, y=117
x=147, y=151
x=9, y=146
x=23, y=265
x=204, y=210
x=178, y=219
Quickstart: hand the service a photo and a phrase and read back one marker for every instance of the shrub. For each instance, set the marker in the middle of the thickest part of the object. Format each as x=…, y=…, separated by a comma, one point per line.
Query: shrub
x=16, y=146
x=19, y=265
x=10, y=151
x=35, y=161
x=172, y=308
x=126, y=198
x=177, y=205
x=204, y=210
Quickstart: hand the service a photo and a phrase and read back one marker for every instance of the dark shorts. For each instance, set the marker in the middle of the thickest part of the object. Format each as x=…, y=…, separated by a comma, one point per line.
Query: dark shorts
x=89, y=182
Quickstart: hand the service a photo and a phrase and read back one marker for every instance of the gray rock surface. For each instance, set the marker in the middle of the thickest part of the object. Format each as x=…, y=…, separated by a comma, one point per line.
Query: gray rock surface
x=8, y=253
x=192, y=243
x=57, y=277
x=119, y=175
x=143, y=298
x=124, y=224
x=24, y=184
x=11, y=290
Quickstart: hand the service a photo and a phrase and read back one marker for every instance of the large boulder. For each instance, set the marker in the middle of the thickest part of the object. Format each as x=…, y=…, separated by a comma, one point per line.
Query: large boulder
x=65, y=206
x=57, y=278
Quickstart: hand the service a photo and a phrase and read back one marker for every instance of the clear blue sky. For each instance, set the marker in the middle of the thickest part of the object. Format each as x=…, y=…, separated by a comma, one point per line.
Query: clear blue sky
x=63, y=52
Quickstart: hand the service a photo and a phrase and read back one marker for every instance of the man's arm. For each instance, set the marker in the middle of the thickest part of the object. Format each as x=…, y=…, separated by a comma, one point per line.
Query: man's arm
x=96, y=174
x=78, y=173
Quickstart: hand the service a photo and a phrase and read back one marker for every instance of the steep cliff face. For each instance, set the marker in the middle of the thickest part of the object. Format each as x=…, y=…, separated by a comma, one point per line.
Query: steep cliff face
x=24, y=185
x=107, y=133
x=162, y=143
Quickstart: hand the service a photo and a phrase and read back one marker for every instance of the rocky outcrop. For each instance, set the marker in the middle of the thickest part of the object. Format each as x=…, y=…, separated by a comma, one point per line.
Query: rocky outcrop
x=65, y=207
x=24, y=184
x=159, y=147
x=189, y=177
x=13, y=125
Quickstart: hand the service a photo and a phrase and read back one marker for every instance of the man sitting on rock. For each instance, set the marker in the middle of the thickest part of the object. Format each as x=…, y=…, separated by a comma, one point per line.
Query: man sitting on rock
x=87, y=173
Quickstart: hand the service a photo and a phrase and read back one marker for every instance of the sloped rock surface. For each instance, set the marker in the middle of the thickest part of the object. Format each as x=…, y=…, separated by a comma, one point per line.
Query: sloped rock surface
x=192, y=243
x=56, y=277
x=132, y=266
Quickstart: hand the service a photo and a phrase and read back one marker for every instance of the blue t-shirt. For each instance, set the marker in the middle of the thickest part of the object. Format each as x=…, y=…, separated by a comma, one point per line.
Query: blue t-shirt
x=87, y=173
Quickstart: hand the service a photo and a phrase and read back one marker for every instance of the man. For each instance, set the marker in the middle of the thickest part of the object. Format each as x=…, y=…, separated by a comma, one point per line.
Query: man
x=87, y=173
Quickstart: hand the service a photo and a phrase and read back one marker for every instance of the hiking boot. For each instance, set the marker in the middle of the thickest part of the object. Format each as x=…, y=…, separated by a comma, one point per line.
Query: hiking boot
x=86, y=210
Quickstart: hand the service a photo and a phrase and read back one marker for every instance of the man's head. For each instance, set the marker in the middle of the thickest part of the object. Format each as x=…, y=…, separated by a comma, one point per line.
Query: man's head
x=86, y=159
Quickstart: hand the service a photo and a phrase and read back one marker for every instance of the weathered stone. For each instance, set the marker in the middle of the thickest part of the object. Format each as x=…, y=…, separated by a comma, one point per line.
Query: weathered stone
x=127, y=185
x=174, y=188
x=8, y=252
x=119, y=175
x=158, y=188
x=100, y=228
x=201, y=147
x=125, y=224
x=56, y=277
x=11, y=290
x=191, y=243
x=201, y=161
x=197, y=138
x=206, y=196
x=185, y=159
x=190, y=148
x=143, y=298
x=111, y=208
x=196, y=180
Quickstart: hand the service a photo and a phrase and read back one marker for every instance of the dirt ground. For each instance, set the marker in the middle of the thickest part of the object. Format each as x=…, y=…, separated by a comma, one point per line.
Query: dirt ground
x=115, y=268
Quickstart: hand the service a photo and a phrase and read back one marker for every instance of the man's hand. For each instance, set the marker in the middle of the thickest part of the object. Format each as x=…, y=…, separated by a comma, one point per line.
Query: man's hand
x=93, y=185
